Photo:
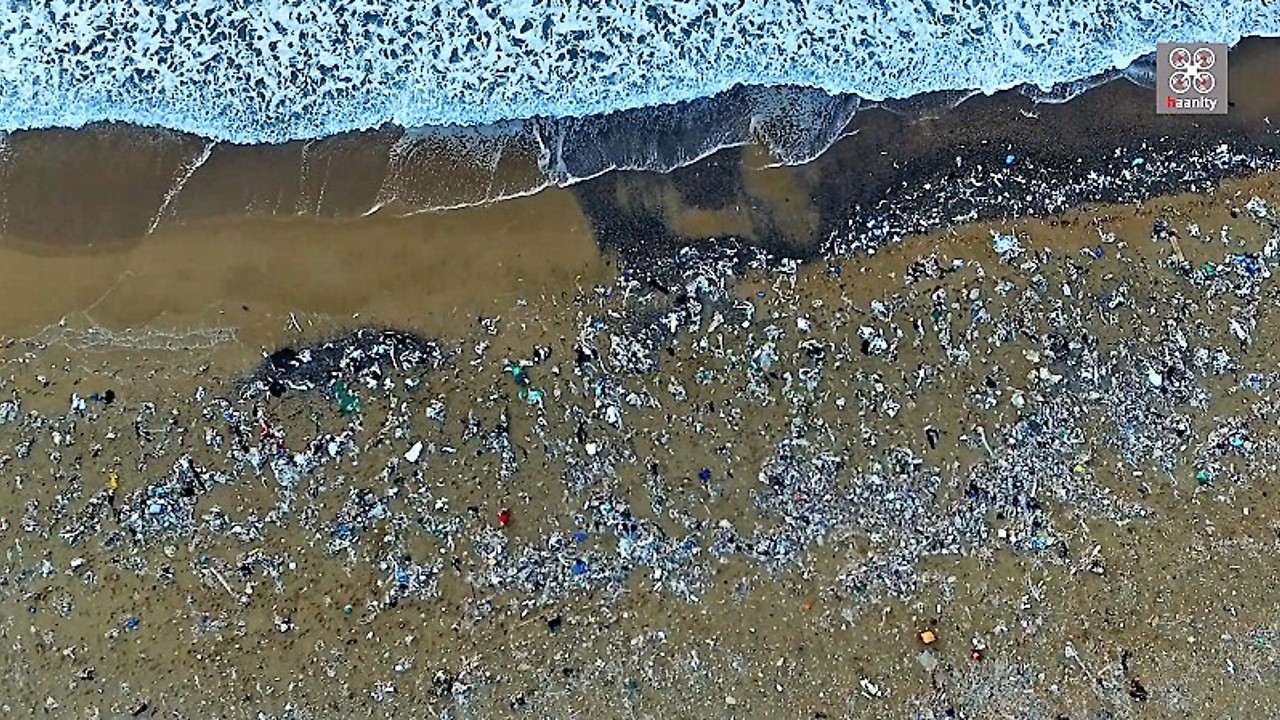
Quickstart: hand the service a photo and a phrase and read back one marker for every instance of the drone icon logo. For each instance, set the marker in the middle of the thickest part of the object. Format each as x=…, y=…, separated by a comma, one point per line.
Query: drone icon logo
x=1191, y=79
x=1192, y=70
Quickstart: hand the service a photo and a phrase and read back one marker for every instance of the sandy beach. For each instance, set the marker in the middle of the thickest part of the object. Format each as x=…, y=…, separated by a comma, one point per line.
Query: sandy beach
x=907, y=431
x=1137, y=600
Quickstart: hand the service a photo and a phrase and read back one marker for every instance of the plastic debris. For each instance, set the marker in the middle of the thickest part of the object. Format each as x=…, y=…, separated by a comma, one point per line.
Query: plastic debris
x=1006, y=246
x=834, y=403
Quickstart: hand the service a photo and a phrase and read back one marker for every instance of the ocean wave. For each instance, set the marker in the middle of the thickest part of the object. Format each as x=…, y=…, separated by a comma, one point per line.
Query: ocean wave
x=272, y=71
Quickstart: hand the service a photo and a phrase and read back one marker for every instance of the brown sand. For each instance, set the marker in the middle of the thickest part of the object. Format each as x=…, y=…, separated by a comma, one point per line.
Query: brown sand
x=755, y=647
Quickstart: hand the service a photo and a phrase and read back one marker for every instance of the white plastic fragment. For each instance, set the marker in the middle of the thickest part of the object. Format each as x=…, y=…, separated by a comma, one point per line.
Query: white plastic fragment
x=1257, y=207
x=1006, y=246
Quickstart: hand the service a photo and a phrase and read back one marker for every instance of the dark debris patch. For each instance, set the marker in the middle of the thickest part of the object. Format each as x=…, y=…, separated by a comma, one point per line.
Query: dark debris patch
x=365, y=353
x=979, y=190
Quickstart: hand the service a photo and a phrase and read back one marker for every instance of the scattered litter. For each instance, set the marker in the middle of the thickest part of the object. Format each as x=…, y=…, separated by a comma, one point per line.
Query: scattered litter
x=1057, y=379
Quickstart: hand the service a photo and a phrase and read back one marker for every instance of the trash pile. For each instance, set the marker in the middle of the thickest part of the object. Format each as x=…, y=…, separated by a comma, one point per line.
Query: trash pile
x=840, y=462
x=980, y=187
x=363, y=357
x=166, y=505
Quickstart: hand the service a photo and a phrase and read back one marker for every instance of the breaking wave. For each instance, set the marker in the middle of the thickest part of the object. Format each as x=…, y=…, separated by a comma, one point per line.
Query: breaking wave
x=271, y=71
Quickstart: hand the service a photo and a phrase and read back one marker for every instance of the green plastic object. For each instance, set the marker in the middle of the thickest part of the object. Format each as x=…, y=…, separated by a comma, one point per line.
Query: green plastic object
x=347, y=402
x=526, y=391
x=522, y=379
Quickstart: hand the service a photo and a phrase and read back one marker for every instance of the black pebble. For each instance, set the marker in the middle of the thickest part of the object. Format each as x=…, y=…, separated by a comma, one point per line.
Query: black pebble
x=109, y=397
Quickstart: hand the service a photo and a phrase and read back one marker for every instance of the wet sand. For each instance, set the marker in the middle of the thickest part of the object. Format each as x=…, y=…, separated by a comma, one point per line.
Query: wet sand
x=425, y=272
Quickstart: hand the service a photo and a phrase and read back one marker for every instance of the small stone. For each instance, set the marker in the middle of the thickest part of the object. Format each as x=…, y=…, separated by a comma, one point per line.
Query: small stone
x=927, y=660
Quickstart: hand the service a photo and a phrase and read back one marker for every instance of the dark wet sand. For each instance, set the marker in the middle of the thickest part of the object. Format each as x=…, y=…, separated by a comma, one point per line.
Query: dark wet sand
x=276, y=229
x=250, y=273
x=77, y=209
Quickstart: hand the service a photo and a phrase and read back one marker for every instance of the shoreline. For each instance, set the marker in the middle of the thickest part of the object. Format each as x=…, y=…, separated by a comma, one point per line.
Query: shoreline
x=415, y=283
x=411, y=273
x=52, y=182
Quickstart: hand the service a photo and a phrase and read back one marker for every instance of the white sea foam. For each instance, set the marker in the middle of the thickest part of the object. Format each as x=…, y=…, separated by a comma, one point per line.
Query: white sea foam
x=270, y=70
